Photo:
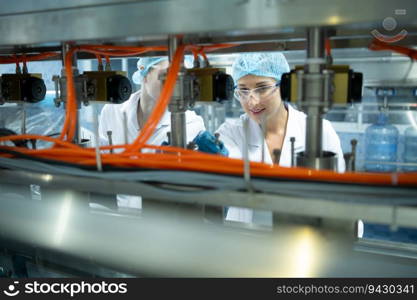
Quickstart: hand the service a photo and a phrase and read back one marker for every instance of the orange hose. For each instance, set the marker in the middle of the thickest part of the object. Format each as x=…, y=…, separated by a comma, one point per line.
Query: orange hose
x=378, y=45
x=177, y=158
x=202, y=162
x=38, y=137
x=68, y=130
x=162, y=103
x=33, y=57
x=328, y=47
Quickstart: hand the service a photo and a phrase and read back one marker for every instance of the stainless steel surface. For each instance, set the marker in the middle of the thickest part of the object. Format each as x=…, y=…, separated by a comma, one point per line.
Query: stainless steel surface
x=314, y=133
x=49, y=21
x=245, y=156
x=97, y=142
x=178, y=129
x=314, y=98
x=353, y=143
x=156, y=244
x=315, y=49
x=173, y=43
x=110, y=139
x=406, y=250
x=377, y=210
x=256, y=25
x=178, y=103
x=327, y=161
x=23, y=125
x=292, y=140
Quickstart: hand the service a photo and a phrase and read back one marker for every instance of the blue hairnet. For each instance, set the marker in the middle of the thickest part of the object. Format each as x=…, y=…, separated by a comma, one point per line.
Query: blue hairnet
x=145, y=64
x=268, y=64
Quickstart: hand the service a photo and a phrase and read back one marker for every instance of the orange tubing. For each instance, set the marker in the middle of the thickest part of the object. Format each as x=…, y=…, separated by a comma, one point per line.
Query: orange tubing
x=162, y=103
x=38, y=137
x=68, y=130
x=177, y=158
x=33, y=57
x=328, y=47
x=378, y=45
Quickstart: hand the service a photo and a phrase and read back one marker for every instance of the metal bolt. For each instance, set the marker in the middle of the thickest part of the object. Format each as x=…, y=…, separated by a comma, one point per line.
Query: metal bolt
x=217, y=136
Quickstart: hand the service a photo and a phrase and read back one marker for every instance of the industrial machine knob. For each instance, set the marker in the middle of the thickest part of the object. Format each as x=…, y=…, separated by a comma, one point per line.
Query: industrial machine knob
x=119, y=88
x=33, y=89
x=223, y=86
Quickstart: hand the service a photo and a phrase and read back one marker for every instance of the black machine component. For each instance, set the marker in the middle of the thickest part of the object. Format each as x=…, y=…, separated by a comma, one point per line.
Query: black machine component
x=103, y=86
x=223, y=86
x=110, y=86
x=22, y=87
x=214, y=84
x=347, y=85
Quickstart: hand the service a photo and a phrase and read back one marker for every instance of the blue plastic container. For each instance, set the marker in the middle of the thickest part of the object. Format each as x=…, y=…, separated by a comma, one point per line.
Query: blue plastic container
x=410, y=148
x=381, y=143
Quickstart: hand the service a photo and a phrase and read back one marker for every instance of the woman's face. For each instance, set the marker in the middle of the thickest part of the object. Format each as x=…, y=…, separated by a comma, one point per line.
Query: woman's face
x=152, y=83
x=261, y=103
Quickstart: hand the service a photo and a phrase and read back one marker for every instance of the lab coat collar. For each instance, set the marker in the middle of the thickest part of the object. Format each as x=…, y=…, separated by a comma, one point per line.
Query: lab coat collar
x=130, y=108
x=293, y=129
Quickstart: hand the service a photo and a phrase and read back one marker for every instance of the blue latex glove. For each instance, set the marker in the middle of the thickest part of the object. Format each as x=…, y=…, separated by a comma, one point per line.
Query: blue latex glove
x=208, y=143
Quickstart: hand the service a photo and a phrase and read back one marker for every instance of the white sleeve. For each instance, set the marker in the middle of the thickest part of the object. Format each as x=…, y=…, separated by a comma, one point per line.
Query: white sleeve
x=102, y=125
x=228, y=136
x=331, y=142
x=194, y=127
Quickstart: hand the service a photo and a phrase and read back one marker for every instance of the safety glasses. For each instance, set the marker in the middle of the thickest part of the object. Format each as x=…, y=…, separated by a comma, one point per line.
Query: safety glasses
x=261, y=92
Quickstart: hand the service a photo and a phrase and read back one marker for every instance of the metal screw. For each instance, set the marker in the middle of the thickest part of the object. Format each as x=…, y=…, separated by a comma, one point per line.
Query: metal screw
x=217, y=136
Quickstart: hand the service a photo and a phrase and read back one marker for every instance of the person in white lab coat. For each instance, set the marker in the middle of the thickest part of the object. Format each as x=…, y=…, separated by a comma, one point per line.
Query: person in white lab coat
x=270, y=122
x=136, y=111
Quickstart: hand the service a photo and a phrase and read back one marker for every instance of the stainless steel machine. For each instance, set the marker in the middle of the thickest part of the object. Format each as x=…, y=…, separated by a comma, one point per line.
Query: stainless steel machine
x=60, y=220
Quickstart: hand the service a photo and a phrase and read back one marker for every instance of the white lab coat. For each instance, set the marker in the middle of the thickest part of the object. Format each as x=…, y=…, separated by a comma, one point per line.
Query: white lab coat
x=111, y=119
x=233, y=136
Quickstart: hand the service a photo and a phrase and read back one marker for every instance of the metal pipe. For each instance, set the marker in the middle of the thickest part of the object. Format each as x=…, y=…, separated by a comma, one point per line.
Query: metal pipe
x=178, y=129
x=65, y=49
x=315, y=42
x=177, y=105
x=97, y=142
x=314, y=135
x=173, y=42
x=246, y=162
x=353, y=142
x=23, y=124
x=109, y=136
x=314, y=91
x=292, y=140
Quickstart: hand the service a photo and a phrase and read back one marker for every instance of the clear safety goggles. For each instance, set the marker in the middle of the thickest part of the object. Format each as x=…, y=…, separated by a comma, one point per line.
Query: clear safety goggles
x=258, y=93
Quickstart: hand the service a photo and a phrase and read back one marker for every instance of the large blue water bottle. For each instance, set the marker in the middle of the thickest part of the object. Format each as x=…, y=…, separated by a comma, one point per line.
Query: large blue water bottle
x=381, y=140
x=410, y=149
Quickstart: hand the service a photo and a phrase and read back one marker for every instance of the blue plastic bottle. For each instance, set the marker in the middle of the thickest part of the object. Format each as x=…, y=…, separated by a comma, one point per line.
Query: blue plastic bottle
x=410, y=148
x=381, y=140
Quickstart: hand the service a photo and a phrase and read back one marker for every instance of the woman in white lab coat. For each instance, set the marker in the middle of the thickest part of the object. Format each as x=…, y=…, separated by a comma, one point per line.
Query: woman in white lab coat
x=270, y=122
x=136, y=111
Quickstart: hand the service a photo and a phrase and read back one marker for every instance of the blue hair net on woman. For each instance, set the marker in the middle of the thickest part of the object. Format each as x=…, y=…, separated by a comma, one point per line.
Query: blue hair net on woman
x=268, y=64
x=145, y=64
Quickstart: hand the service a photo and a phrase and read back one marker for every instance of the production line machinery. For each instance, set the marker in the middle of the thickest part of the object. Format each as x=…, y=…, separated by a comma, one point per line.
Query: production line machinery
x=65, y=219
